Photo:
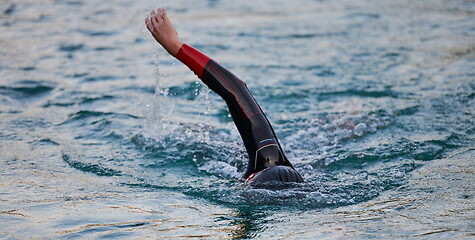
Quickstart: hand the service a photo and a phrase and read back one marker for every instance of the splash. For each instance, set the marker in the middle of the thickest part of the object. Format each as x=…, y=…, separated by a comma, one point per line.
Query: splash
x=318, y=137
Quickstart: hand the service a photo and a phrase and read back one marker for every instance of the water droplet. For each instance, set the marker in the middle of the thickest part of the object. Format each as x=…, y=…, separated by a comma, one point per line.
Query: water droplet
x=360, y=129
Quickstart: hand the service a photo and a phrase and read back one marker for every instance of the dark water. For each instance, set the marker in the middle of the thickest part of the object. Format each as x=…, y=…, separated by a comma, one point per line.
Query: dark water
x=103, y=135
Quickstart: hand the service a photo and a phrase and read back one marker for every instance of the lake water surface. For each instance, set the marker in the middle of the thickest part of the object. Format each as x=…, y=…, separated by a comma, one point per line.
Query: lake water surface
x=104, y=135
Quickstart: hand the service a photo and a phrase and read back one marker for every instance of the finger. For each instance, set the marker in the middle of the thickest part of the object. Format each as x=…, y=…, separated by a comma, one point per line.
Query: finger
x=164, y=14
x=158, y=16
x=149, y=24
x=160, y=11
x=154, y=21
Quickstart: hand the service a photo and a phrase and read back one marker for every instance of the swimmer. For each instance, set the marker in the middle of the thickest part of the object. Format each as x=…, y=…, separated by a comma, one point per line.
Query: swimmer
x=267, y=161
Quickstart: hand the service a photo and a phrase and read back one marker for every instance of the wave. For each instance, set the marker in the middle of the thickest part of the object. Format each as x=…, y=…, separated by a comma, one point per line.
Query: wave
x=27, y=89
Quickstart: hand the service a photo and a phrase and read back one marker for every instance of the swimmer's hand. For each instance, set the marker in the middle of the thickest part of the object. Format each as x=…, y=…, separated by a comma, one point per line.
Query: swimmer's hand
x=163, y=31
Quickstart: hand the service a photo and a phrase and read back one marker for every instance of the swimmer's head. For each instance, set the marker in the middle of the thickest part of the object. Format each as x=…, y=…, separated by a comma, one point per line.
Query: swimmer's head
x=277, y=173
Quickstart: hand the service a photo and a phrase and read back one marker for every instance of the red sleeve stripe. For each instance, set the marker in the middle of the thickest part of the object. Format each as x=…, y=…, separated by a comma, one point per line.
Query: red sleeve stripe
x=193, y=58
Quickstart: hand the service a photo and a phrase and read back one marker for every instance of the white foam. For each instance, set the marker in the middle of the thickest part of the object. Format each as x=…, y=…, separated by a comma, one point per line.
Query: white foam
x=317, y=137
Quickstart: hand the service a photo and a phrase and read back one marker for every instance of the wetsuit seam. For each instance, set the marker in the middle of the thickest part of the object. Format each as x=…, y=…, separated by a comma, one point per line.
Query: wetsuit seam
x=252, y=99
x=230, y=88
x=257, y=151
x=255, y=114
x=205, y=76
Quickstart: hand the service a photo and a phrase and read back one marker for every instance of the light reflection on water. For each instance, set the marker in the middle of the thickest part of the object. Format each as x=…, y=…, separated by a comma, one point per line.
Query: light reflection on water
x=373, y=102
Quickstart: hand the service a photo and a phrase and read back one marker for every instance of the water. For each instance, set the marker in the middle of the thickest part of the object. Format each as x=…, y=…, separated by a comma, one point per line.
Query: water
x=103, y=135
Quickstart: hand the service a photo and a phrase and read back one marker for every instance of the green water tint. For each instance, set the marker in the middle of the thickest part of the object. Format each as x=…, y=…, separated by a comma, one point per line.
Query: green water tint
x=372, y=102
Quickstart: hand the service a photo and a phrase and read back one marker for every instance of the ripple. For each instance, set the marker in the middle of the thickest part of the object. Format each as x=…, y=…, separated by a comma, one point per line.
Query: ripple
x=84, y=114
x=45, y=142
x=27, y=69
x=362, y=93
x=364, y=15
x=76, y=98
x=100, y=78
x=299, y=92
x=399, y=150
x=92, y=33
x=10, y=9
x=100, y=49
x=27, y=89
x=71, y=47
x=94, y=168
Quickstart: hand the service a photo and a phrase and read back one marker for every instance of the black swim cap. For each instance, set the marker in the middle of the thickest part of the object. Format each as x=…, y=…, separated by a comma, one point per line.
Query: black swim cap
x=277, y=173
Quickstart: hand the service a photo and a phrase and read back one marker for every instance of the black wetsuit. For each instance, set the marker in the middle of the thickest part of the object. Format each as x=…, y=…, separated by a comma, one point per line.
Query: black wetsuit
x=259, y=138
